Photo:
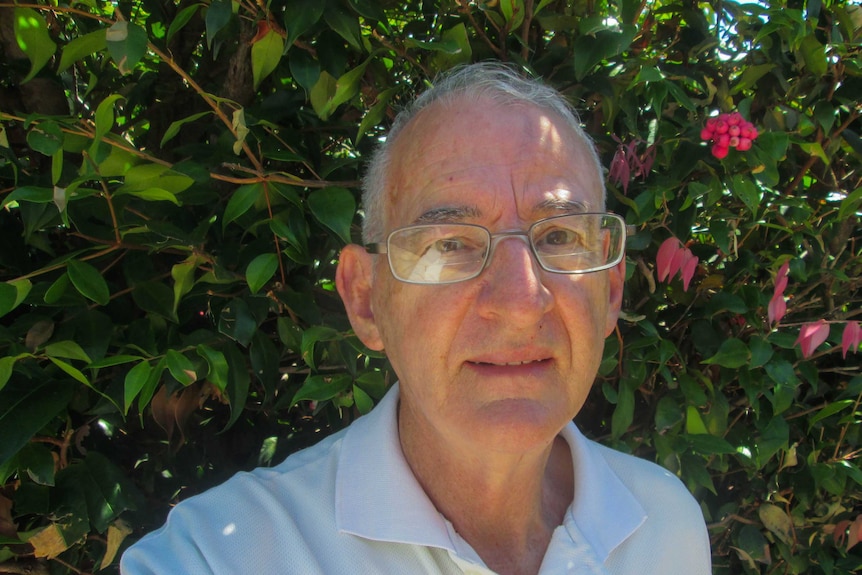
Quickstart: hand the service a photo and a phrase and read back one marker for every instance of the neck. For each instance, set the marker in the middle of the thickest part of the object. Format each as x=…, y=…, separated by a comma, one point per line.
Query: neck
x=506, y=506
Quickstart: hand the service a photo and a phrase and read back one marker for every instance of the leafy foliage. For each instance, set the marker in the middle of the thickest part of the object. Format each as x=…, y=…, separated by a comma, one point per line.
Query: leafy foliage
x=176, y=179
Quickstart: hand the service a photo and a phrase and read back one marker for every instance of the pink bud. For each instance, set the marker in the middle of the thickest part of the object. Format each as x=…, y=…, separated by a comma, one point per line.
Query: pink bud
x=706, y=134
x=720, y=152
x=664, y=258
x=744, y=144
x=811, y=336
x=781, y=278
x=777, y=308
x=851, y=338
x=688, y=268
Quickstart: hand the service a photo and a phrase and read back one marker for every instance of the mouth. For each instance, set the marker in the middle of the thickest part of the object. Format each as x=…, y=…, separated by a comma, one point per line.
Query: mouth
x=510, y=363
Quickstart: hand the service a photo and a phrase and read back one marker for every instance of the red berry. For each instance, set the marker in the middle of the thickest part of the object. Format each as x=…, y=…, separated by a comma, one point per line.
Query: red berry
x=744, y=144
x=733, y=130
x=745, y=132
x=734, y=119
x=710, y=123
x=720, y=151
x=754, y=133
x=723, y=140
x=734, y=141
x=721, y=127
x=706, y=134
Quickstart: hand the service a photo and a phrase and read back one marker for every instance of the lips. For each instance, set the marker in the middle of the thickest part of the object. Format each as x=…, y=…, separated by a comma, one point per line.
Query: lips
x=509, y=363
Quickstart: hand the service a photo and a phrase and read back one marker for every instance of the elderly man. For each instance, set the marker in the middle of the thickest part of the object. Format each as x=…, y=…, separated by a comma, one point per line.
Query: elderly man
x=491, y=277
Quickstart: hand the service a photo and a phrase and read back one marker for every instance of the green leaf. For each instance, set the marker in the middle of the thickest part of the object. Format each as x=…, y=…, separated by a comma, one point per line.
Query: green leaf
x=183, y=275
x=814, y=55
x=733, y=353
x=265, y=56
x=218, y=15
x=831, y=409
x=81, y=47
x=334, y=208
x=134, y=382
x=346, y=25
x=300, y=16
x=113, y=360
x=238, y=384
x=33, y=38
x=850, y=204
x=322, y=388
x=182, y=18
x=375, y=114
x=219, y=370
x=26, y=412
x=311, y=337
x=74, y=372
x=175, y=126
x=7, y=364
x=241, y=201
x=181, y=368
x=237, y=322
x=88, y=281
x=104, y=119
x=127, y=44
x=328, y=97
x=513, y=12
x=12, y=294
x=590, y=49
x=36, y=460
x=46, y=138
x=260, y=271
x=777, y=521
x=363, y=401
x=106, y=490
x=751, y=75
x=694, y=422
x=67, y=349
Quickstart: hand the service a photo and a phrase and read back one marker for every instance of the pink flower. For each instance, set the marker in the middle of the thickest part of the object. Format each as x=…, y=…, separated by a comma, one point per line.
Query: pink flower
x=777, y=306
x=811, y=336
x=727, y=131
x=851, y=339
x=673, y=257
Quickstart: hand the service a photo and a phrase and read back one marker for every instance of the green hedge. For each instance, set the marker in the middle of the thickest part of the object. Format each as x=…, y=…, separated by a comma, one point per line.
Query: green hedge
x=176, y=179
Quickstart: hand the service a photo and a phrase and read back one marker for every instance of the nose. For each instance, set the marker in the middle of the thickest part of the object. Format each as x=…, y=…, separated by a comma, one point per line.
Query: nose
x=512, y=283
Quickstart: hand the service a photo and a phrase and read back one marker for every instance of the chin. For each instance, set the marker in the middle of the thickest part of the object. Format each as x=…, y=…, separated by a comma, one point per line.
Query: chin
x=516, y=425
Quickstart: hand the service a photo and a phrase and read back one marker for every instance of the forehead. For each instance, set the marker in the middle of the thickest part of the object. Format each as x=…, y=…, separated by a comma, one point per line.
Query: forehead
x=489, y=161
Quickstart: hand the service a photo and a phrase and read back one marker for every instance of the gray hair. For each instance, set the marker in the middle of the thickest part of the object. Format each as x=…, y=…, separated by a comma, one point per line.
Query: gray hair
x=493, y=81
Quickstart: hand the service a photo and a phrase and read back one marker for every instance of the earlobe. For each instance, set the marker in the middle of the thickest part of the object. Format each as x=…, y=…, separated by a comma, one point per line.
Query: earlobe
x=616, y=281
x=353, y=279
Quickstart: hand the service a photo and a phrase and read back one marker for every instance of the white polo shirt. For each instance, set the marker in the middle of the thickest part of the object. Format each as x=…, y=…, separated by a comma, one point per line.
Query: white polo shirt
x=351, y=504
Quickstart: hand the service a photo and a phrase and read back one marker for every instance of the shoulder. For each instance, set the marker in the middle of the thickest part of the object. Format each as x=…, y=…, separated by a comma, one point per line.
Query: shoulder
x=212, y=532
x=673, y=537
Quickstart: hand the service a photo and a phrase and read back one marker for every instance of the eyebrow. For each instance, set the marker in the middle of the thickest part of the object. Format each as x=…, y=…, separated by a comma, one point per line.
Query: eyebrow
x=560, y=206
x=448, y=214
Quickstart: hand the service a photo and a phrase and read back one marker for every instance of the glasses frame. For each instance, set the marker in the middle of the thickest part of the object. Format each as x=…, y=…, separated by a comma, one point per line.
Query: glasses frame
x=381, y=248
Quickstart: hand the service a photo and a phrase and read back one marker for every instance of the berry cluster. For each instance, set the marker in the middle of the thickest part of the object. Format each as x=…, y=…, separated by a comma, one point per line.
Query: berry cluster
x=728, y=131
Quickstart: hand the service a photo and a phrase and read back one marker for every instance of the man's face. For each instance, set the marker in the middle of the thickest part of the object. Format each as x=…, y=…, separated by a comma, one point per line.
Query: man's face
x=502, y=361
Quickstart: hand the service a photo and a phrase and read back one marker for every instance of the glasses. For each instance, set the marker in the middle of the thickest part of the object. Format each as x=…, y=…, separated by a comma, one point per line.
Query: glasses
x=449, y=253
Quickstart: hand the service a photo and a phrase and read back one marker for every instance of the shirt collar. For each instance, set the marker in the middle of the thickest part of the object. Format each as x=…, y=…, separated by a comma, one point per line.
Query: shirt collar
x=377, y=496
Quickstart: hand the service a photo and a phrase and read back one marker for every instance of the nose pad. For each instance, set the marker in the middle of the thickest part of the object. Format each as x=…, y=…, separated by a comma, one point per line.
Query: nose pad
x=511, y=289
x=497, y=238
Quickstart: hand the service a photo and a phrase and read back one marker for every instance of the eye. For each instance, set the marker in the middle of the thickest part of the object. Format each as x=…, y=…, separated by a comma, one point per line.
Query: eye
x=559, y=237
x=449, y=245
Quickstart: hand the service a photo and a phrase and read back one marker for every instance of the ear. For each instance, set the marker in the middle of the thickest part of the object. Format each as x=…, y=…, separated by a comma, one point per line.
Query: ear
x=353, y=279
x=616, y=280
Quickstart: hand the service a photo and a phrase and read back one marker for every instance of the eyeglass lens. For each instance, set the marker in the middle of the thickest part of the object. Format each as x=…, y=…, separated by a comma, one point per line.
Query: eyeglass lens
x=446, y=253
